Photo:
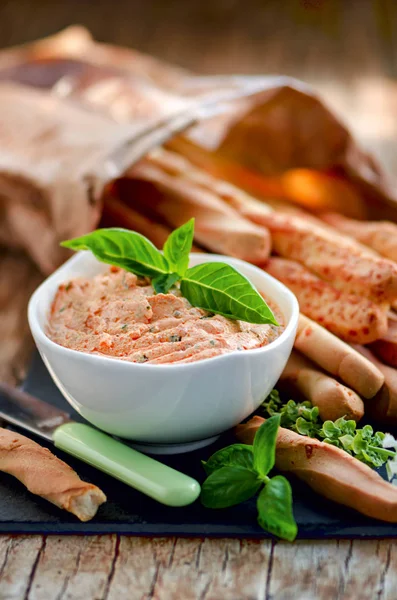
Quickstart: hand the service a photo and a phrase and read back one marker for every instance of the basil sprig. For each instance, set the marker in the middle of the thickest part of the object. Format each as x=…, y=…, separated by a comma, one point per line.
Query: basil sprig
x=213, y=286
x=238, y=472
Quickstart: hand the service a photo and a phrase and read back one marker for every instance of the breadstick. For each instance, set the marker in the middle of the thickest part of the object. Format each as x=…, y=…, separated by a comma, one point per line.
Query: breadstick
x=350, y=317
x=116, y=213
x=386, y=348
x=378, y=235
x=319, y=191
x=330, y=471
x=224, y=169
x=333, y=257
x=47, y=476
x=176, y=199
x=333, y=399
x=383, y=407
x=338, y=358
x=308, y=188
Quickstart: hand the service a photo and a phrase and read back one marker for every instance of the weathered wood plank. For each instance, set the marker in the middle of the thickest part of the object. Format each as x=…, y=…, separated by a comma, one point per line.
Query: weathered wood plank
x=73, y=567
x=341, y=570
x=109, y=568
x=18, y=559
x=191, y=568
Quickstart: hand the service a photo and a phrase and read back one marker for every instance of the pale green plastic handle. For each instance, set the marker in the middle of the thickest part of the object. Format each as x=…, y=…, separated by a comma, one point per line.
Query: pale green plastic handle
x=141, y=472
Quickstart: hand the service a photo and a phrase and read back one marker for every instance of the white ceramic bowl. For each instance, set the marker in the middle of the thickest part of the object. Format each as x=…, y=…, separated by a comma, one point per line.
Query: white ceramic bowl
x=164, y=404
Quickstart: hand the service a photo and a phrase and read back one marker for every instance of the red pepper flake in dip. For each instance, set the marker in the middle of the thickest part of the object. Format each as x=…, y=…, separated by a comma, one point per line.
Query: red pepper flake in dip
x=117, y=314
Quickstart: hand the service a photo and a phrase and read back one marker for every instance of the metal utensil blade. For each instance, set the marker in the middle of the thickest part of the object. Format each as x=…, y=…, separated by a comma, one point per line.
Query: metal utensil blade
x=30, y=413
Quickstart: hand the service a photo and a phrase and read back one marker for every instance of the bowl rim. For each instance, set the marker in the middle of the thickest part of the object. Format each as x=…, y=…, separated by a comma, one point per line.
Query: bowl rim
x=118, y=363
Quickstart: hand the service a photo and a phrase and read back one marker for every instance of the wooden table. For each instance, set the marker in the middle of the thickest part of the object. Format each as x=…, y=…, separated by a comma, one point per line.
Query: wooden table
x=348, y=50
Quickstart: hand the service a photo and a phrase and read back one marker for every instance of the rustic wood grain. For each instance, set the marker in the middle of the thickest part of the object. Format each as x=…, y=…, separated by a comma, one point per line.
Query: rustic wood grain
x=348, y=51
x=110, y=567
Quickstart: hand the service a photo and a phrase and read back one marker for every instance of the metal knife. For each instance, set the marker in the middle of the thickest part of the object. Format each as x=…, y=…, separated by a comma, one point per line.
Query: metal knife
x=164, y=484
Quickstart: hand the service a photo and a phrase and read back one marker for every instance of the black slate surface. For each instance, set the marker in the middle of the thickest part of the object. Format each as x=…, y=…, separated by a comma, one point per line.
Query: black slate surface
x=130, y=512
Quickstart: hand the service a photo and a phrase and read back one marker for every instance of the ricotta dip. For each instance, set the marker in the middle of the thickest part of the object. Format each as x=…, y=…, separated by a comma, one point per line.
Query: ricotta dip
x=118, y=314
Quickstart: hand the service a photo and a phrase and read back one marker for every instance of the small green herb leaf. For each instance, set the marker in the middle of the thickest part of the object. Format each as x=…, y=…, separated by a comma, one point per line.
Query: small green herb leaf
x=235, y=455
x=302, y=417
x=163, y=283
x=126, y=249
x=228, y=486
x=178, y=246
x=275, y=509
x=219, y=288
x=265, y=446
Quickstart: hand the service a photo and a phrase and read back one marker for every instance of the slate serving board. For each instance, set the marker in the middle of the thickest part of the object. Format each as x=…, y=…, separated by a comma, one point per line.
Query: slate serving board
x=130, y=512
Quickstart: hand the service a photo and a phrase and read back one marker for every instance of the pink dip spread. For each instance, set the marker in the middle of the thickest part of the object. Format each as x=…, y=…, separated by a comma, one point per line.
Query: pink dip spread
x=118, y=315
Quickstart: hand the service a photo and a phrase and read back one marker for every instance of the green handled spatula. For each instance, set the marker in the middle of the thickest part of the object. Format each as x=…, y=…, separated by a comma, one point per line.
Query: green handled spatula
x=94, y=447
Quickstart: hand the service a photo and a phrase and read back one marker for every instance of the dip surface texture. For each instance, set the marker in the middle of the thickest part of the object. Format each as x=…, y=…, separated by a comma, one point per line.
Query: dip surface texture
x=117, y=314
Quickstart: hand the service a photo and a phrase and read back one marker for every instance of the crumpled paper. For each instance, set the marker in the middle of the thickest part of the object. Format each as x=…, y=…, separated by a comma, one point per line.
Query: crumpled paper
x=268, y=124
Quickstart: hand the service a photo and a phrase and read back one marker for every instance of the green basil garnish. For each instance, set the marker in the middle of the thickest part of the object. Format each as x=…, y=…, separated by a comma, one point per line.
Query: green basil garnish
x=265, y=446
x=219, y=288
x=228, y=486
x=241, y=455
x=178, y=246
x=237, y=473
x=275, y=509
x=216, y=287
x=163, y=283
x=126, y=249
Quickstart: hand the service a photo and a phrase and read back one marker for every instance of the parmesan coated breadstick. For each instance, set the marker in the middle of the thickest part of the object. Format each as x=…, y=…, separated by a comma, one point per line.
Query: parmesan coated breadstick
x=352, y=318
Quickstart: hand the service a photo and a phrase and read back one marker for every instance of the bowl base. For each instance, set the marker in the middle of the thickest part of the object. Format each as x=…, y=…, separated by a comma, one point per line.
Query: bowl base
x=148, y=448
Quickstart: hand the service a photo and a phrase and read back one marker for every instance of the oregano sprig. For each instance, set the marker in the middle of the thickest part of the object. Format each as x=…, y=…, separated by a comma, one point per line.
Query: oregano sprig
x=238, y=472
x=213, y=286
x=302, y=417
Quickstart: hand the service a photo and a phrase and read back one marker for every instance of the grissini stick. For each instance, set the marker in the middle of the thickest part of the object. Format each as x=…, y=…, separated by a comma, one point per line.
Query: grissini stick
x=118, y=214
x=319, y=191
x=47, y=476
x=176, y=199
x=315, y=190
x=378, y=235
x=333, y=257
x=338, y=358
x=330, y=471
x=383, y=407
x=333, y=399
x=386, y=348
x=352, y=318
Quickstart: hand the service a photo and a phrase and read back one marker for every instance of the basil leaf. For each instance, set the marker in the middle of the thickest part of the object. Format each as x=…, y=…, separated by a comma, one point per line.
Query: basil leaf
x=275, y=509
x=265, y=445
x=228, y=486
x=163, y=283
x=178, y=246
x=232, y=456
x=126, y=249
x=219, y=288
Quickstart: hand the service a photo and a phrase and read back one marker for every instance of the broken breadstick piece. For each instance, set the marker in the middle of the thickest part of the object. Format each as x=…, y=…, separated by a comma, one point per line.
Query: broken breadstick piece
x=338, y=358
x=47, y=476
x=330, y=471
x=333, y=399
